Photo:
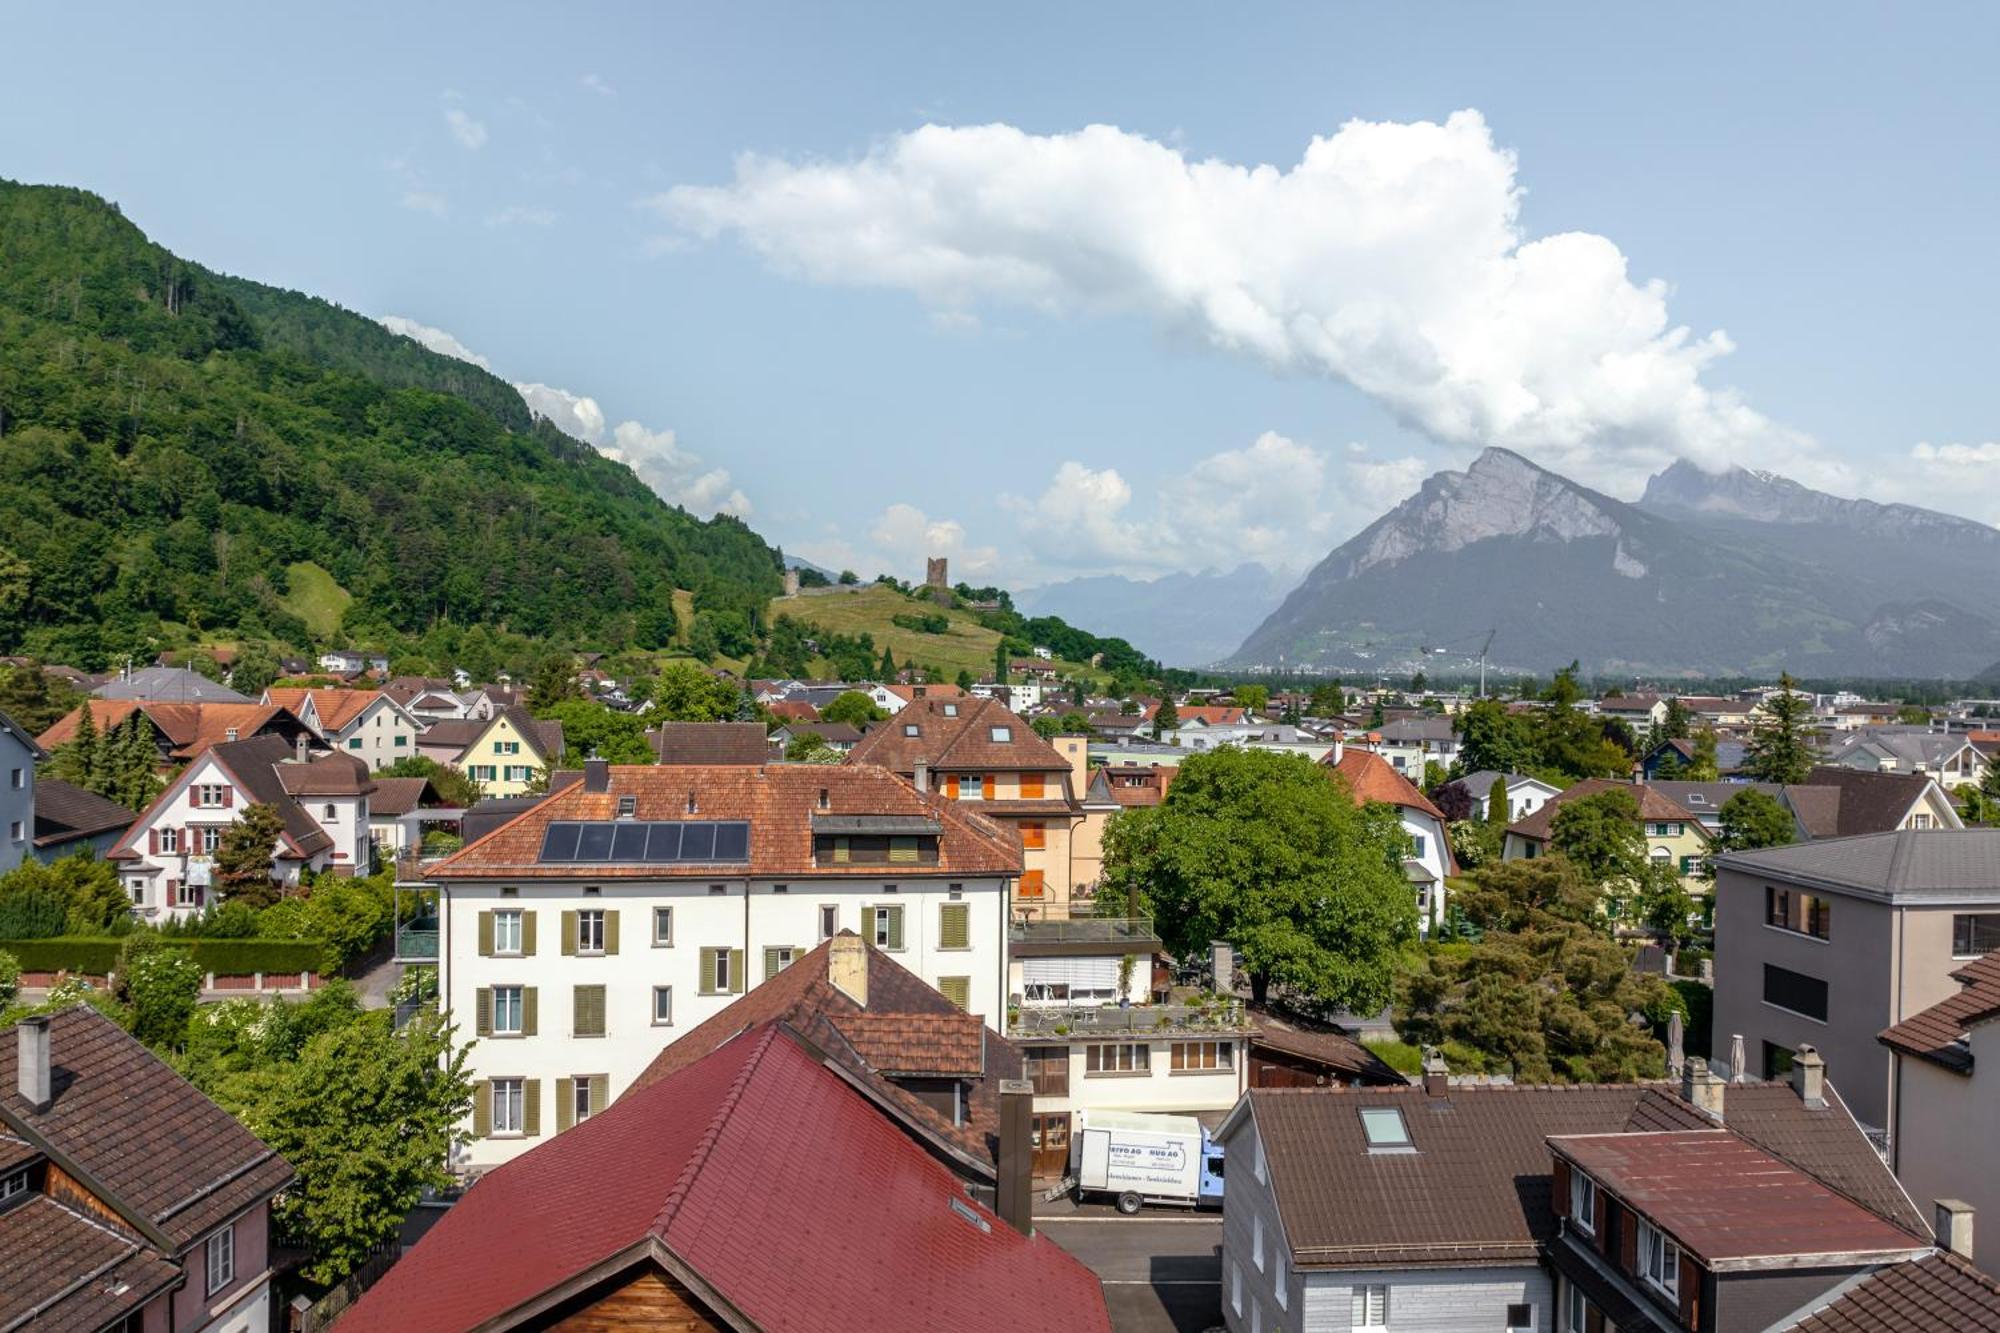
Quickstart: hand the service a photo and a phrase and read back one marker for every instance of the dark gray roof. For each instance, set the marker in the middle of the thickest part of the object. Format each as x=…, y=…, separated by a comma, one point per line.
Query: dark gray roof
x=65, y=812
x=1480, y=781
x=1911, y=865
x=169, y=685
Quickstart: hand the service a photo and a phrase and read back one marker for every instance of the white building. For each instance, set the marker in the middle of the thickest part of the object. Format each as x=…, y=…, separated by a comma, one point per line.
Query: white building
x=578, y=939
x=1525, y=795
x=166, y=858
x=367, y=724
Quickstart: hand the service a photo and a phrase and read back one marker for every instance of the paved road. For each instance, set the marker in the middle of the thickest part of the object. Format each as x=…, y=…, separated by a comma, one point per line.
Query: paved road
x=1161, y=1271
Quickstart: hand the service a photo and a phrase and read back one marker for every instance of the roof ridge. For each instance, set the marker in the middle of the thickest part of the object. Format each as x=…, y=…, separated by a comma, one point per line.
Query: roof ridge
x=684, y=1183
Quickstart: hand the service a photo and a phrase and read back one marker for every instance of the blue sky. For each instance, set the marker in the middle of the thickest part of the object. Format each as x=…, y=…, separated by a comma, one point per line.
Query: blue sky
x=1051, y=351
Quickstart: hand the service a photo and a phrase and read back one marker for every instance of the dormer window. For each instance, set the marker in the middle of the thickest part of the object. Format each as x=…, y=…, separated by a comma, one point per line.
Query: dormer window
x=1002, y=735
x=825, y=800
x=1583, y=1202
x=628, y=806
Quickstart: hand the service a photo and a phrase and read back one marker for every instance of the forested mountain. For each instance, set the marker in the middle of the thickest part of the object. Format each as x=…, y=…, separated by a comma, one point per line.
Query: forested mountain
x=175, y=444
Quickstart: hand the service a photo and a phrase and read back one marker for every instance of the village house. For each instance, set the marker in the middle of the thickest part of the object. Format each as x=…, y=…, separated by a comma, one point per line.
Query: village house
x=166, y=684
x=1941, y=1115
x=582, y=936
x=892, y=698
x=431, y=699
x=839, y=736
x=1675, y=835
x=181, y=731
x=1641, y=712
x=1371, y=780
x=18, y=756
x=366, y=724
x=166, y=858
x=1829, y=943
x=128, y=1200
x=710, y=743
x=346, y=662
x=1525, y=794
x=399, y=809
x=1413, y=743
x=508, y=750
x=1948, y=756
x=70, y=820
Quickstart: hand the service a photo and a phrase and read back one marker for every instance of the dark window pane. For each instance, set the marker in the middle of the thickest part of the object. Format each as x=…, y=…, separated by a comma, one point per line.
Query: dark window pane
x=1973, y=935
x=1795, y=991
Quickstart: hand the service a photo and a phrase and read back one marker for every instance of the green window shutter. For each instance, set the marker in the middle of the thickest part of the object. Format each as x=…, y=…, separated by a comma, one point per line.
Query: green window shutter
x=527, y=933
x=531, y=1106
x=569, y=934
x=611, y=930
x=707, y=986
x=482, y=1109
x=486, y=934
x=600, y=1092
x=735, y=971
x=956, y=989
x=482, y=1012
x=773, y=961
x=565, y=1104
x=955, y=926
x=895, y=927
x=588, y=1011
x=528, y=1011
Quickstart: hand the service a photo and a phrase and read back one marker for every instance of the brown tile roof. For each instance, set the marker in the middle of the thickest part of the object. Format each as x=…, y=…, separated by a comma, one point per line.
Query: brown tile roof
x=1372, y=778
x=458, y=732
x=794, y=710
x=1939, y=1034
x=399, y=796
x=16, y=1151
x=1869, y=802
x=956, y=736
x=1653, y=805
x=711, y=743
x=1941, y=1292
x=802, y=999
x=188, y=728
x=1210, y=715
x=1727, y=1202
x=328, y=775
x=61, y=1271
x=917, y=1043
x=165, y=1156
x=1337, y=1051
x=65, y=812
x=1824, y=1142
x=908, y=693
x=1131, y=785
x=336, y=708
x=780, y=802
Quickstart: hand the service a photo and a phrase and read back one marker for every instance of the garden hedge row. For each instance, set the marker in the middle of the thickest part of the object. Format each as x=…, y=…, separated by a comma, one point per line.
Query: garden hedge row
x=236, y=957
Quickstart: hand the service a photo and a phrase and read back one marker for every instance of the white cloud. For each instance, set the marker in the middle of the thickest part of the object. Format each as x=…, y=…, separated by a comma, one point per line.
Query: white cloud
x=521, y=215
x=468, y=132
x=1390, y=256
x=597, y=85
x=677, y=476
x=1955, y=478
x=425, y=201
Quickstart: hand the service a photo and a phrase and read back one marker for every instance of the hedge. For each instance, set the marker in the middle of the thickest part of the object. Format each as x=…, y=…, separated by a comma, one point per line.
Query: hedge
x=236, y=957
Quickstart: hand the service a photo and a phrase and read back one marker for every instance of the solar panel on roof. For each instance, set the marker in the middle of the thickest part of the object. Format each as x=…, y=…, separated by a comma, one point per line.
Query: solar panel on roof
x=594, y=843
x=633, y=842
x=665, y=842
x=628, y=843
x=698, y=842
x=560, y=842
x=732, y=842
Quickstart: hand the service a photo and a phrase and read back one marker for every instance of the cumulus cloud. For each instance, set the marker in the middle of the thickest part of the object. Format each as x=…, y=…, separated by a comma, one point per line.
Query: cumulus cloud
x=1390, y=256
x=678, y=476
x=1956, y=478
x=468, y=132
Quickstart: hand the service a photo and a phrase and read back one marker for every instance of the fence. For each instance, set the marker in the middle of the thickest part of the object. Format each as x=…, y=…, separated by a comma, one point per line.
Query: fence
x=321, y=1313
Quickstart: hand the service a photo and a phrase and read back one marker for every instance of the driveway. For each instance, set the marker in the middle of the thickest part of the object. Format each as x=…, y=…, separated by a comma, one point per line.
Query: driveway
x=1161, y=1270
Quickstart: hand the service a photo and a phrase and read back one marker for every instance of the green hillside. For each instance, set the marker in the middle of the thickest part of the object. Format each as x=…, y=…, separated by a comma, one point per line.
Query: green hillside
x=174, y=444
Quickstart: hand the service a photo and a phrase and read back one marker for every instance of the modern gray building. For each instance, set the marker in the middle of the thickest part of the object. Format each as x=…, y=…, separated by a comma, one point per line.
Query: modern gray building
x=18, y=756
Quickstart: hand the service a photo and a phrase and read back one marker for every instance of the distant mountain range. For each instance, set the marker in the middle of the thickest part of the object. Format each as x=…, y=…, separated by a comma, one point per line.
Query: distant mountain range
x=1706, y=574
x=1181, y=619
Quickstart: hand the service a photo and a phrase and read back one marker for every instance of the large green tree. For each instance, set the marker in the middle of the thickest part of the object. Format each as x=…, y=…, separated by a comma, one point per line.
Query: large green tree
x=1166, y=718
x=453, y=787
x=1751, y=819
x=1780, y=748
x=1601, y=836
x=34, y=698
x=852, y=707
x=243, y=871
x=591, y=730
x=685, y=692
x=1271, y=853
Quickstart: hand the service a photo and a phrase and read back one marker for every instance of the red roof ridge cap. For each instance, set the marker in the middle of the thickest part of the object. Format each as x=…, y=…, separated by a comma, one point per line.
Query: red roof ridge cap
x=716, y=1124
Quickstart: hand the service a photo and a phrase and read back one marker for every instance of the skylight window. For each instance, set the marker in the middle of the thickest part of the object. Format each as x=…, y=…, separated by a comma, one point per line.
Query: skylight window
x=1385, y=1130
x=912, y=729
x=1003, y=734
x=964, y=1210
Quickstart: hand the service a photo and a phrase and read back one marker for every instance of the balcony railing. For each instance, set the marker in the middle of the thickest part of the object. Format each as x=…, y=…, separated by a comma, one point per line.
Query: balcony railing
x=1084, y=930
x=417, y=941
x=1221, y=1015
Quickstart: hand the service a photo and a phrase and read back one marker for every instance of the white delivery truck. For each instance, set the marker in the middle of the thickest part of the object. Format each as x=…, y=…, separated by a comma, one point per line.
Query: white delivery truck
x=1141, y=1159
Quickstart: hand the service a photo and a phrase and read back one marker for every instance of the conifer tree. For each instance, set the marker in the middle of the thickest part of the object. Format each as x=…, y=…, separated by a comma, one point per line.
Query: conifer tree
x=1780, y=749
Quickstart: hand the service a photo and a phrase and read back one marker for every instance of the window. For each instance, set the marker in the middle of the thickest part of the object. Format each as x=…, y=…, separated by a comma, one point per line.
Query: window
x=1583, y=1202
x=18, y=831
x=663, y=1006
x=221, y=1259
x=18, y=779
x=587, y=1011
x=184, y=894
x=956, y=989
x=210, y=840
x=1520, y=1317
x=954, y=926
x=1002, y=735
x=663, y=927
x=14, y=1184
x=1659, y=1260
x=1279, y=1282
x=1777, y=1061
x=211, y=796
x=1032, y=884
x=1371, y=1305
x=590, y=930
x=718, y=971
x=401, y=740
x=912, y=729
x=1031, y=787
x=507, y=931
x=1123, y=1057
x=354, y=743
x=1795, y=991
x=506, y=1011
x=883, y=927
x=1974, y=935
x=1801, y=913
x=1034, y=834
x=1198, y=1055
x=1576, y=1307
x=580, y=1098
x=903, y=850
x=1384, y=1129
x=1257, y=1240
x=329, y=813
x=1417, y=841
x=170, y=841
x=1257, y=1167
x=777, y=958
x=829, y=921
x=1688, y=864
x=1920, y=821
x=508, y=1104
x=628, y=806
x=1236, y=1287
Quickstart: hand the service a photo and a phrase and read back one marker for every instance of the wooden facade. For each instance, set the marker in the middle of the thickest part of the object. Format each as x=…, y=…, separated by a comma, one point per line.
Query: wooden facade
x=643, y=1299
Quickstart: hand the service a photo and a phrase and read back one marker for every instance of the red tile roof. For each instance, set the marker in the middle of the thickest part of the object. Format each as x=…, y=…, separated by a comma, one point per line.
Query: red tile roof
x=770, y=1178
x=956, y=736
x=189, y=728
x=780, y=802
x=917, y=1043
x=1727, y=1202
x=1372, y=778
x=336, y=708
x=1938, y=1034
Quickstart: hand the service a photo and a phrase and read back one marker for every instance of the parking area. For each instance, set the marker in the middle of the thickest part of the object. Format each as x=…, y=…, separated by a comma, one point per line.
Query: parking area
x=1161, y=1270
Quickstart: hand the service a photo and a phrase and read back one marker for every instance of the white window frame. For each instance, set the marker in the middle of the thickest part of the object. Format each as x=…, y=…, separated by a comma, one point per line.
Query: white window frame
x=211, y=840
x=1236, y=1288
x=519, y=995
x=1659, y=1261
x=579, y=1099
x=170, y=842
x=508, y=919
x=720, y=978
x=587, y=917
x=663, y=916
x=829, y=920
x=1257, y=1240
x=663, y=993
x=221, y=1257
x=14, y=1184
x=1280, y=1279
x=1576, y=1307
x=1583, y=1202
x=512, y=1095
x=1362, y=1294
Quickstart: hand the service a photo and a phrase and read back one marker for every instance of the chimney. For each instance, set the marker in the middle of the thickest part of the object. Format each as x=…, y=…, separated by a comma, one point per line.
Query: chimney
x=921, y=775
x=1809, y=1077
x=847, y=967
x=1954, y=1226
x=596, y=776
x=1221, y=961
x=229, y=733
x=1676, y=1051
x=35, y=1082
x=1015, y=1195
x=299, y=749
x=1701, y=1088
x=1437, y=1074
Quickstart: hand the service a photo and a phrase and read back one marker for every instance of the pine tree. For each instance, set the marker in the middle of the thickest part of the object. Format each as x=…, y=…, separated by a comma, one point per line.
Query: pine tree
x=131, y=773
x=887, y=670
x=1000, y=663
x=243, y=859
x=1779, y=749
x=1166, y=718
x=76, y=761
x=1496, y=803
